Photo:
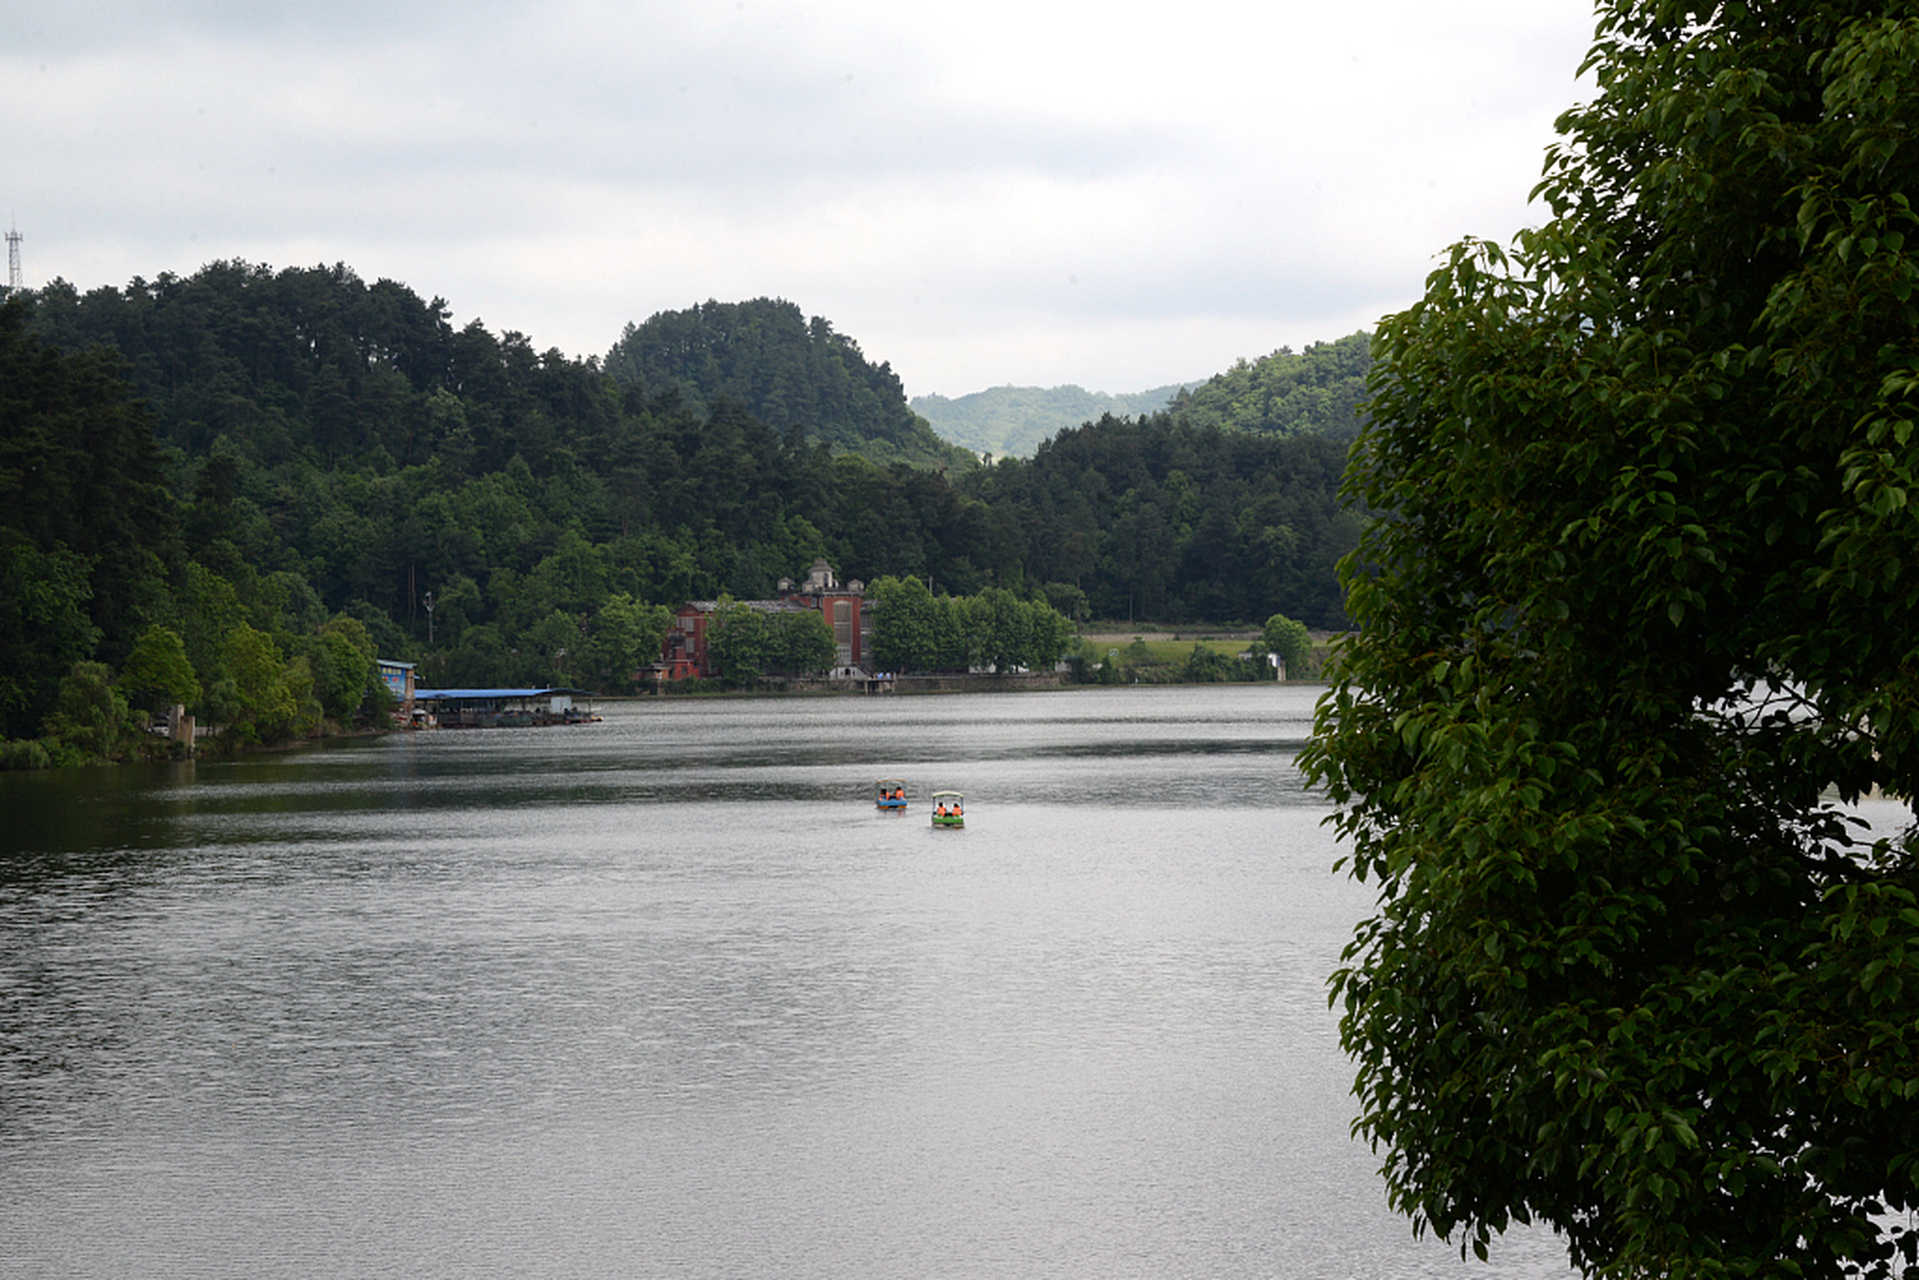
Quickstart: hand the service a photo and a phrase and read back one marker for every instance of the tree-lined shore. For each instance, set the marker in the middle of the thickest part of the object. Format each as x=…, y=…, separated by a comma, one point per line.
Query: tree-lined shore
x=248, y=460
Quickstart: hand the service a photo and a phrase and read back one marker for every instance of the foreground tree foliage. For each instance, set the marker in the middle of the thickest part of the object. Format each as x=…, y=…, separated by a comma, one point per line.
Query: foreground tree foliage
x=1637, y=607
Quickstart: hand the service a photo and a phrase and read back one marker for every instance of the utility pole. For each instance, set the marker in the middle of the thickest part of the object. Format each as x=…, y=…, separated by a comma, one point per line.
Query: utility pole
x=13, y=261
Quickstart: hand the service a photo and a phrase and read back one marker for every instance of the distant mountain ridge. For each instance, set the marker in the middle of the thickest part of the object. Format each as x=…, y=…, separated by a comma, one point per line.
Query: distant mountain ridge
x=1011, y=422
x=1317, y=391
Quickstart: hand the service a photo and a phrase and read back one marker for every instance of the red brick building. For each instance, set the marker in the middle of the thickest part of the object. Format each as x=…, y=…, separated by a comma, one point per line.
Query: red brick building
x=683, y=653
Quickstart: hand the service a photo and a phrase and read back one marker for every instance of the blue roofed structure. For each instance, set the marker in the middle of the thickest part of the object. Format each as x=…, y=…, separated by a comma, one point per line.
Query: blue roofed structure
x=504, y=708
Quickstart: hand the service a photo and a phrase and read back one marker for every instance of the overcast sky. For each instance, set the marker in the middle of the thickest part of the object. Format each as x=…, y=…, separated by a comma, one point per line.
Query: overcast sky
x=1000, y=191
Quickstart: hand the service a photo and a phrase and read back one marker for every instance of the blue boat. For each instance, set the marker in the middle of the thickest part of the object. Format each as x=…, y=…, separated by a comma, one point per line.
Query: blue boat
x=892, y=795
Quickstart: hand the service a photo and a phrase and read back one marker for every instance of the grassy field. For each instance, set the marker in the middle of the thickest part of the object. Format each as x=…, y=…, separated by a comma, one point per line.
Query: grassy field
x=1168, y=647
x=1155, y=647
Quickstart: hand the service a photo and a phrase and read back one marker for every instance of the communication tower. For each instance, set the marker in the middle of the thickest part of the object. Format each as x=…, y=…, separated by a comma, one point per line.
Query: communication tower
x=13, y=260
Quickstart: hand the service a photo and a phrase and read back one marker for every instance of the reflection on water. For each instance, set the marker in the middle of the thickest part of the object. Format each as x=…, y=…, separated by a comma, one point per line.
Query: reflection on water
x=666, y=996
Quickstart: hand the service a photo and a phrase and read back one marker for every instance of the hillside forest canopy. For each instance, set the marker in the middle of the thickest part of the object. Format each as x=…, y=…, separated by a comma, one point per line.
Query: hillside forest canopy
x=295, y=450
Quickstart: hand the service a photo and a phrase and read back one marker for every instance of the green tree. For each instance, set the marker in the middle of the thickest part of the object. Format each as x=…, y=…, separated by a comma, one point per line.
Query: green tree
x=84, y=516
x=157, y=674
x=306, y=713
x=340, y=671
x=1637, y=605
x=80, y=474
x=254, y=702
x=44, y=629
x=1068, y=601
x=801, y=642
x=1000, y=629
x=1291, y=641
x=1049, y=634
x=573, y=578
x=625, y=635
x=92, y=720
x=355, y=633
x=481, y=659
x=739, y=643
x=208, y=609
x=550, y=651
x=457, y=606
x=905, y=624
x=1208, y=666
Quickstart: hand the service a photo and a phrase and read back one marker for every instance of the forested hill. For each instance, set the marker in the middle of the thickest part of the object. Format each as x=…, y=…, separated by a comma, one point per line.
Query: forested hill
x=313, y=365
x=1012, y=421
x=1313, y=392
x=788, y=371
x=1157, y=518
x=255, y=466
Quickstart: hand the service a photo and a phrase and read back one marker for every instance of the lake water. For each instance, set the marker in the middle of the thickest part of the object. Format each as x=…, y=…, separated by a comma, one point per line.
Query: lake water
x=666, y=996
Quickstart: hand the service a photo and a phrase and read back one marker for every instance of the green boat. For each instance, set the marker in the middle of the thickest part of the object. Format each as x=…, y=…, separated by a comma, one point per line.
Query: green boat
x=949, y=809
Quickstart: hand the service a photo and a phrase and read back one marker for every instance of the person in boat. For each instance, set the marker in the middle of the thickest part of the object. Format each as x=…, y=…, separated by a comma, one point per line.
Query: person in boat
x=940, y=810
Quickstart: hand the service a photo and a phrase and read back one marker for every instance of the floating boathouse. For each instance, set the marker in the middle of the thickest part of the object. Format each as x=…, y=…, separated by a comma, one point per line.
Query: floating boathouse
x=504, y=708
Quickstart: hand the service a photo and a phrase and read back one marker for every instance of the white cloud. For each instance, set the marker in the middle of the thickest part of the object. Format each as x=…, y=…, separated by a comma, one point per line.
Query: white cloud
x=1026, y=192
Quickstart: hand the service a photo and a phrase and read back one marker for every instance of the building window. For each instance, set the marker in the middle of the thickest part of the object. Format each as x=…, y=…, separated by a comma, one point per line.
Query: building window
x=843, y=630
